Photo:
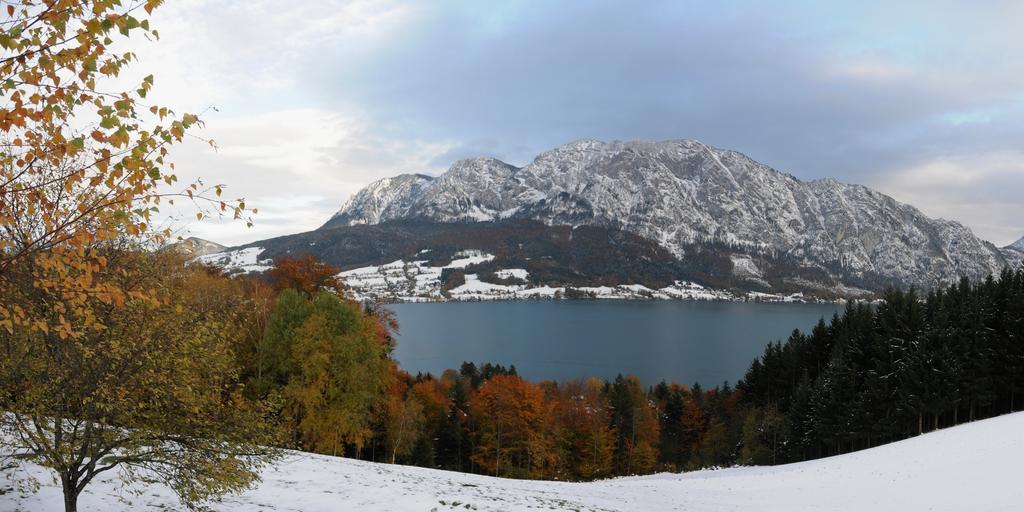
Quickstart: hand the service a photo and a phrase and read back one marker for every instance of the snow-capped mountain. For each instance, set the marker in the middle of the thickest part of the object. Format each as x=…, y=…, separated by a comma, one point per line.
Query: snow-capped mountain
x=683, y=192
x=388, y=198
x=194, y=247
x=1018, y=245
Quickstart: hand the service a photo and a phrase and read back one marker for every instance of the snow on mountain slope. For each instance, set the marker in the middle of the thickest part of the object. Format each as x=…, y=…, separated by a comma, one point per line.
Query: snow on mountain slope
x=238, y=260
x=1018, y=245
x=385, y=199
x=683, y=191
x=194, y=247
x=971, y=467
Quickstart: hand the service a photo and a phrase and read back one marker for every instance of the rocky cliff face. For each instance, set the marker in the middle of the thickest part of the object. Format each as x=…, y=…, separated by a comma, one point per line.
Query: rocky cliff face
x=385, y=199
x=680, y=193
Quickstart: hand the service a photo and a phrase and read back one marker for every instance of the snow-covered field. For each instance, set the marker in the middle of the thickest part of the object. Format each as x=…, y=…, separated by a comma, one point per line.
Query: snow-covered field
x=415, y=281
x=975, y=467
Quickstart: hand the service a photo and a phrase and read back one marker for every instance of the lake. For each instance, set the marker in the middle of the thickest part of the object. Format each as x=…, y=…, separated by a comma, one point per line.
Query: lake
x=678, y=341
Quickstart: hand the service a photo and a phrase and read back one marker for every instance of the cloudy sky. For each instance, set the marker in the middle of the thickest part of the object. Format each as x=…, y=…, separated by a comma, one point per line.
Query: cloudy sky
x=921, y=100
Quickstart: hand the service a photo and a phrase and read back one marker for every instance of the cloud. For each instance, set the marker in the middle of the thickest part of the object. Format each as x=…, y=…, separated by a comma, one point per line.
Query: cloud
x=317, y=99
x=855, y=93
x=295, y=166
x=870, y=69
x=251, y=53
x=982, y=191
x=288, y=154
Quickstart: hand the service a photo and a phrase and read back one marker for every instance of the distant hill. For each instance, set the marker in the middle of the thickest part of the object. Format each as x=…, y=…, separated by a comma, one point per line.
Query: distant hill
x=195, y=247
x=584, y=256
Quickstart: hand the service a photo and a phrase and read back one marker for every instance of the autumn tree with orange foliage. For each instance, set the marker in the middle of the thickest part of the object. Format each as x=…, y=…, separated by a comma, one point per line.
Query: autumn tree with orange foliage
x=488, y=420
x=586, y=435
x=433, y=397
x=79, y=166
x=109, y=350
x=339, y=371
x=691, y=427
x=513, y=434
x=306, y=274
x=402, y=420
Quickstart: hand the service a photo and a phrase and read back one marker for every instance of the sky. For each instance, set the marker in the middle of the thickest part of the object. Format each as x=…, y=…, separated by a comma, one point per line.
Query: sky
x=312, y=100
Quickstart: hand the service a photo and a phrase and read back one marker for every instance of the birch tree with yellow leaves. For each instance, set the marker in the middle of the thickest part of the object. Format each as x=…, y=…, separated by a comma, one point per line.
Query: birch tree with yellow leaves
x=108, y=359
x=80, y=165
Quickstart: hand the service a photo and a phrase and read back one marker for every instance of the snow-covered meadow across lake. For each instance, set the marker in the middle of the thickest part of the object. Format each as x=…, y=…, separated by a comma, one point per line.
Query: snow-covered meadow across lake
x=972, y=467
x=402, y=281
x=417, y=281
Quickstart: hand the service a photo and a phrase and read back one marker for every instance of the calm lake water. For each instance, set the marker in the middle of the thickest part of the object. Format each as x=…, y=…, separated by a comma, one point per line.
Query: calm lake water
x=679, y=341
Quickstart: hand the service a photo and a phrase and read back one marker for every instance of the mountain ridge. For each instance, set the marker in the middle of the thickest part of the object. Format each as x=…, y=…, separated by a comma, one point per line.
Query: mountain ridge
x=684, y=192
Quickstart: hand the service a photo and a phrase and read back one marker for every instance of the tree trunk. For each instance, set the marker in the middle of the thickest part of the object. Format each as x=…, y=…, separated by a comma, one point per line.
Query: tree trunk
x=497, y=454
x=920, y=423
x=458, y=447
x=70, y=496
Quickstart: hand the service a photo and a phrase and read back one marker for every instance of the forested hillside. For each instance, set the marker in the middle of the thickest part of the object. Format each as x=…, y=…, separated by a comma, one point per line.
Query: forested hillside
x=562, y=255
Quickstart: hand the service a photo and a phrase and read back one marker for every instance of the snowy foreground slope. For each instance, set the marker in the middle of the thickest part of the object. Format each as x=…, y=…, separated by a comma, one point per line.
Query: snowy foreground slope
x=973, y=467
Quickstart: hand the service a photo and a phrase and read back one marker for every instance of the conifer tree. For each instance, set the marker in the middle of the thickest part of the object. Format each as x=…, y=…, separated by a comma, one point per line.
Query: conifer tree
x=636, y=427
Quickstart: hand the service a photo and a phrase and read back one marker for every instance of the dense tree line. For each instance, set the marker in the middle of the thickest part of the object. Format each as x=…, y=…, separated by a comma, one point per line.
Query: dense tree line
x=877, y=374
x=486, y=419
x=874, y=374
